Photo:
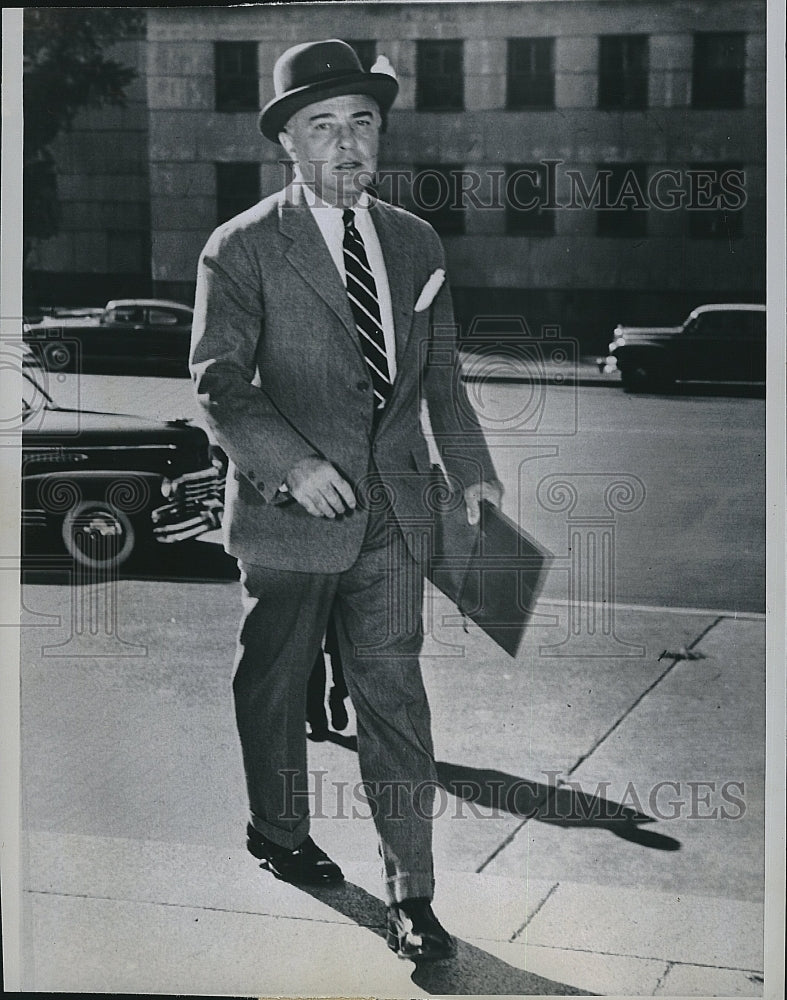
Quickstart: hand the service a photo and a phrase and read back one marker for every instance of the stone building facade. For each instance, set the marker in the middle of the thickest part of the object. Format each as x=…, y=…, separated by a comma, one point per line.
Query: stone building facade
x=103, y=248
x=586, y=161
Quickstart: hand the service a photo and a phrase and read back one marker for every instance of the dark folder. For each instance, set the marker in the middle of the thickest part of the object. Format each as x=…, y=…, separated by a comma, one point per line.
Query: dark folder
x=492, y=571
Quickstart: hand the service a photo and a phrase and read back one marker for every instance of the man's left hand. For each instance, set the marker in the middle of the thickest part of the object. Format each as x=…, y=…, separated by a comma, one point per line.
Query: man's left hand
x=493, y=492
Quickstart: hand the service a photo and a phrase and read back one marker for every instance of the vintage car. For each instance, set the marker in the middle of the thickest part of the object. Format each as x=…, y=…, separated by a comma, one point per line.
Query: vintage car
x=127, y=335
x=104, y=485
x=723, y=342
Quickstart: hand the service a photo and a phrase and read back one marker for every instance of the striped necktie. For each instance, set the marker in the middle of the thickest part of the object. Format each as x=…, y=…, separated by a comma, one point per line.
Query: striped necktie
x=362, y=293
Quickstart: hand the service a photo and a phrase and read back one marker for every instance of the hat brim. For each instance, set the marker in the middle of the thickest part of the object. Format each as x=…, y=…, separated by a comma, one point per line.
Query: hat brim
x=276, y=113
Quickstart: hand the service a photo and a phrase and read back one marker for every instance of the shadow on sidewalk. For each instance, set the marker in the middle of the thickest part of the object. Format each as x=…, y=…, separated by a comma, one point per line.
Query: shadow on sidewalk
x=559, y=805
x=562, y=806
x=471, y=972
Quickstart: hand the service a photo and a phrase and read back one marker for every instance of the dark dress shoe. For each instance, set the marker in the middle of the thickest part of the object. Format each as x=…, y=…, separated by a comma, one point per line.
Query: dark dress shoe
x=339, y=717
x=414, y=931
x=317, y=733
x=305, y=865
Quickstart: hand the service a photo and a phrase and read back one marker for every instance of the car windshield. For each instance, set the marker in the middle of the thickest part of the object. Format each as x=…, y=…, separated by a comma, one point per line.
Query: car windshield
x=34, y=397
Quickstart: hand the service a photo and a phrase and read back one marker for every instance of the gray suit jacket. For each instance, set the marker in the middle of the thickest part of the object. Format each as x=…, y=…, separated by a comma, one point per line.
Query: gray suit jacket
x=280, y=373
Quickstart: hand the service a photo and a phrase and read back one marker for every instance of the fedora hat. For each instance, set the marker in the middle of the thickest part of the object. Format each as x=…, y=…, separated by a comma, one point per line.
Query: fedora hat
x=315, y=71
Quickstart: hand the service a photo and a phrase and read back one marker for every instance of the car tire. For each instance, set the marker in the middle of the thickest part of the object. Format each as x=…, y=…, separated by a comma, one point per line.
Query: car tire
x=98, y=535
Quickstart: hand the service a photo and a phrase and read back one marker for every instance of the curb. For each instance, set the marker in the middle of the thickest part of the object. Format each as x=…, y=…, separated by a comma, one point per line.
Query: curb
x=502, y=370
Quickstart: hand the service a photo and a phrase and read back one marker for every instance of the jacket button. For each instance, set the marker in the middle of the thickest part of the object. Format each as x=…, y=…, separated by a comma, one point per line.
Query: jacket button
x=362, y=386
x=250, y=474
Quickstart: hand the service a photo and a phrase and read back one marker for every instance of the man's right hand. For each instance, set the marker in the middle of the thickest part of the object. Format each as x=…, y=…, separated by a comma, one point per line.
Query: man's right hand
x=319, y=488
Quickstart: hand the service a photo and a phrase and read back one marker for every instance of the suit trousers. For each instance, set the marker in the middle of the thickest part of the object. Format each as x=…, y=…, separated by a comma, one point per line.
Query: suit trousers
x=376, y=605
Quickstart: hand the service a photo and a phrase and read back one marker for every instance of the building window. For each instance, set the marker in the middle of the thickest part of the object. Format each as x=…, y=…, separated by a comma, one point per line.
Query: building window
x=530, y=80
x=718, y=70
x=237, y=188
x=440, y=83
x=526, y=196
x=366, y=50
x=623, y=206
x=715, y=211
x=436, y=197
x=236, y=76
x=623, y=71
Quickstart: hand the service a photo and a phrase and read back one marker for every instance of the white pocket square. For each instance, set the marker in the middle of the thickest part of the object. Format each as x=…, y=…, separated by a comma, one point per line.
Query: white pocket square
x=430, y=289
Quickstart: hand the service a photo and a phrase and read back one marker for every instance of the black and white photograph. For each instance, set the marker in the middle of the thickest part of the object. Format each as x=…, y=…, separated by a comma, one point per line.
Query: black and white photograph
x=393, y=515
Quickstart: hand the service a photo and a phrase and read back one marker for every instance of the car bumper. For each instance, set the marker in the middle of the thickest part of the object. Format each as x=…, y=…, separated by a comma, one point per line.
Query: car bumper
x=196, y=506
x=608, y=365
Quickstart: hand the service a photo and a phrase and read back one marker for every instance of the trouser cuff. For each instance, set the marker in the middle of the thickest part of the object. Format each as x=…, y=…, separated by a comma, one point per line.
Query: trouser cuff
x=289, y=838
x=407, y=886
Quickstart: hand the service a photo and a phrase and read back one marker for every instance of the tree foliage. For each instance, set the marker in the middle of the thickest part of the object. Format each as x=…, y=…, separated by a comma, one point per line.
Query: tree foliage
x=65, y=70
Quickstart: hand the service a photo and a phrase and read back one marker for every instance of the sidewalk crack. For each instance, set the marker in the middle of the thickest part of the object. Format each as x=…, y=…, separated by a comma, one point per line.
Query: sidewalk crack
x=662, y=977
x=602, y=739
x=191, y=906
x=542, y=903
x=637, y=701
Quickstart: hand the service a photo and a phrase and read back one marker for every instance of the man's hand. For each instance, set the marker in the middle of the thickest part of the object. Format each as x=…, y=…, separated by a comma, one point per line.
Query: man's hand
x=319, y=488
x=493, y=492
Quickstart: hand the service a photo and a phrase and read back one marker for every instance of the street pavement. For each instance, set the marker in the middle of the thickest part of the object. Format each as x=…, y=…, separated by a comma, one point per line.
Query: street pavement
x=601, y=813
x=135, y=870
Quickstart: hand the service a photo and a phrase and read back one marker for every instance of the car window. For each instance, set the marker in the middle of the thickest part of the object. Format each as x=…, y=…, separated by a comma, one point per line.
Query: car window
x=126, y=314
x=728, y=325
x=733, y=325
x=163, y=317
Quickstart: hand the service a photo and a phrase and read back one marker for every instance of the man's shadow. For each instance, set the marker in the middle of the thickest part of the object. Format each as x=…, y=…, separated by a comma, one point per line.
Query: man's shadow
x=471, y=971
x=561, y=805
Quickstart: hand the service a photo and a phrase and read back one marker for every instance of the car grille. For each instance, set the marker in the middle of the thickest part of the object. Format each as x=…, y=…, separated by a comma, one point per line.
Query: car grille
x=192, y=487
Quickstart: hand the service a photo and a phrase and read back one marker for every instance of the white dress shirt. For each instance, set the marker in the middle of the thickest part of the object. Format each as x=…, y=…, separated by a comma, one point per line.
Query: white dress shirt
x=331, y=225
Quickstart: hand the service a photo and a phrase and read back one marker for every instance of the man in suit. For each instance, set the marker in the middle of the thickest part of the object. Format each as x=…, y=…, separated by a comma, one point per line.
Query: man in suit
x=311, y=361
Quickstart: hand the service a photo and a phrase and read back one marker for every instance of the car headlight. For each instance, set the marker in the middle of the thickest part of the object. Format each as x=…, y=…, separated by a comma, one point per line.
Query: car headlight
x=167, y=488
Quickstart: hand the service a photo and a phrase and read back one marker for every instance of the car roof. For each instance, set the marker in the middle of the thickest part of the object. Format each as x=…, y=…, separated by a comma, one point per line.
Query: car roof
x=115, y=303
x=729, y=307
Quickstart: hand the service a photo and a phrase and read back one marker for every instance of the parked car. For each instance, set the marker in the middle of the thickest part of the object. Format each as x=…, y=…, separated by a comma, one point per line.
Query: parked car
x=123, y=336
x=104, y=484
x=724, y=342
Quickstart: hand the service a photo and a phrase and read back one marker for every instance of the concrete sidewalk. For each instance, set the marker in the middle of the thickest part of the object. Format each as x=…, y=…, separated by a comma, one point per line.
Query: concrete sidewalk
x=655, y=889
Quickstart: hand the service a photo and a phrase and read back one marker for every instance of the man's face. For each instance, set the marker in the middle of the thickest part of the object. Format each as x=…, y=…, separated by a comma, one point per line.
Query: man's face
x=335, y=142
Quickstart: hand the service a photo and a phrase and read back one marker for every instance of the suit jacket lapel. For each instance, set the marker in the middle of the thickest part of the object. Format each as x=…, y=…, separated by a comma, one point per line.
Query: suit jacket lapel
x=399, y=268
x=311, y=259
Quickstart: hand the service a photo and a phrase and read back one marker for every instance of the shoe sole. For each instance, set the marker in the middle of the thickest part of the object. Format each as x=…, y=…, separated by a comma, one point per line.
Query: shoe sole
x=268, y=867
x=328, y=880
x=392, y=941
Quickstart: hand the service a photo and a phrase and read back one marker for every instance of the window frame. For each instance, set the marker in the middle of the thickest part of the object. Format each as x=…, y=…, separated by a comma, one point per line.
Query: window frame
x=438, y=217
x=245, y=81
x=517, y=218
x=518, y=101
x=720, y=86
x=449, y=82
x=230, y=205
x=623, y=72
x=713, y=223
x=623, y=223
